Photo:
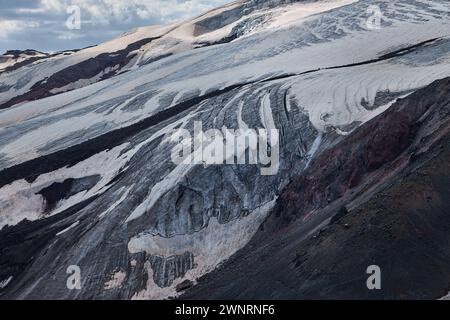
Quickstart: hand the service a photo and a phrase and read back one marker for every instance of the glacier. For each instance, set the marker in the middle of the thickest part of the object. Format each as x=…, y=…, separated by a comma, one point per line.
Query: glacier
x=85, y=171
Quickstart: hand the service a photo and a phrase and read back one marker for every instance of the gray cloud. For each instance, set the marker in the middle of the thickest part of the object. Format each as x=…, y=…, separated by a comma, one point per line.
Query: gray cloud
x=41, y=24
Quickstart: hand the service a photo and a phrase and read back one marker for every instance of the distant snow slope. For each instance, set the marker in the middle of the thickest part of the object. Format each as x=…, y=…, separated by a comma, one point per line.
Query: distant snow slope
x=86, y=155
x=15, y=58
x=143, y=45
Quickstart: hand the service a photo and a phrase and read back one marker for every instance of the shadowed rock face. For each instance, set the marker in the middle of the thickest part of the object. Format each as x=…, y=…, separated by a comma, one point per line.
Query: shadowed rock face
x=64, y=190
x=392, y=177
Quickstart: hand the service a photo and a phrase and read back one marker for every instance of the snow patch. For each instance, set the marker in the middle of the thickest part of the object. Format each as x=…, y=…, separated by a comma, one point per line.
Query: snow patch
x=5, y=282
x=210, y=247
x=73, y=225
x=116, y=280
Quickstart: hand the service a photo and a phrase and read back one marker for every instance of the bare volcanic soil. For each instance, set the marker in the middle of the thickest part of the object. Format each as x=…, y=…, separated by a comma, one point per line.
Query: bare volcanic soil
x=379, y=197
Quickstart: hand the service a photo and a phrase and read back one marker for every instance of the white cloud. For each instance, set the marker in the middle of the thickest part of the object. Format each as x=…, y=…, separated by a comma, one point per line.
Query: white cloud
x=69, y=35
x=8, y=27
x=101, y=12
x=41, y=24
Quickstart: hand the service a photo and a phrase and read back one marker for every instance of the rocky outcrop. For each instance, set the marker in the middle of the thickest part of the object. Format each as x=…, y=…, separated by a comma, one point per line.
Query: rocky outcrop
x=65, y=189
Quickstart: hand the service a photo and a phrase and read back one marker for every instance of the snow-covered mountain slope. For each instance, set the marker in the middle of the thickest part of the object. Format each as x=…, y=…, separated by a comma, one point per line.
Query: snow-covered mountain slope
x=15, y=59
x=70, y=70
x=378, y=197
x=85, y=172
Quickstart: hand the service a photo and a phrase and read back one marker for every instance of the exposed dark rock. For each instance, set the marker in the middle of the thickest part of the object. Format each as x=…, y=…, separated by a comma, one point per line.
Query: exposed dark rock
x=186, y=284
x=21, y=243
x=341, y=213
x=64, y=190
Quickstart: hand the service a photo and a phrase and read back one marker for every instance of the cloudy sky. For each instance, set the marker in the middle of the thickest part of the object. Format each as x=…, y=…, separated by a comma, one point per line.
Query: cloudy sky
x=51, y=25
